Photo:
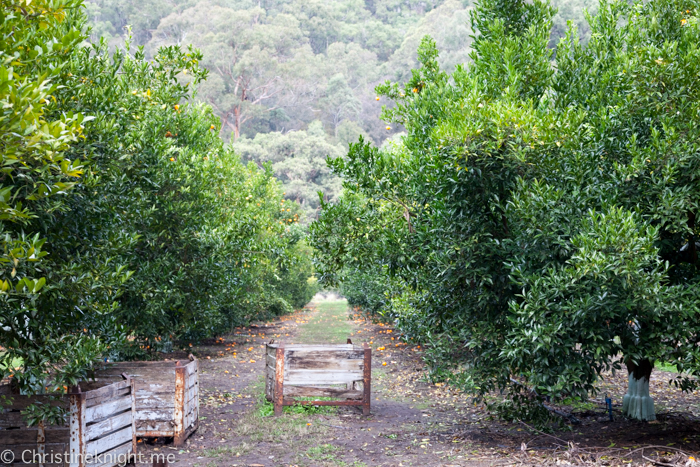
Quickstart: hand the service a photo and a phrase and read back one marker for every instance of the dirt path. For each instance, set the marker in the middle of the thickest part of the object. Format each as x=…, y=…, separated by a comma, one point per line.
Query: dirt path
x=413, y=423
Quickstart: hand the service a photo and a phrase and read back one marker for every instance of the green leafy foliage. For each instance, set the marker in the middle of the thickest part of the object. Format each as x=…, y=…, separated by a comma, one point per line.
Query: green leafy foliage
x=278, y=66
x=298, y=160
x=281, y=69
x=39, y=318
x=539, y=215
x=128, y=226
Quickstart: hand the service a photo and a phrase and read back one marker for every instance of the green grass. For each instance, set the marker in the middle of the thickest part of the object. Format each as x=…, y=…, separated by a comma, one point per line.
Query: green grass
x=267, y=408
x=328, y=325
x=663, y=366
x=322, y=452
x=326, y=455
x=228, y=451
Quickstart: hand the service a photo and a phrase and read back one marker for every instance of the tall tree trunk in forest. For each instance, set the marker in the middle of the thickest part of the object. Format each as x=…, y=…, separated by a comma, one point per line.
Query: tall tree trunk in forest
x=637, y=403
x=236, y=123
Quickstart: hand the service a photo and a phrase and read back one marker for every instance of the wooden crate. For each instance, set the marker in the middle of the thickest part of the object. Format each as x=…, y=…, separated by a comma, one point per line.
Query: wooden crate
x=167, y=396
x=335, y=371
x=99, y=431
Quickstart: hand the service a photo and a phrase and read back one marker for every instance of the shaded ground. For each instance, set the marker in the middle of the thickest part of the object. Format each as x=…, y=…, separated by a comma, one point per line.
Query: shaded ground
x=412, y=422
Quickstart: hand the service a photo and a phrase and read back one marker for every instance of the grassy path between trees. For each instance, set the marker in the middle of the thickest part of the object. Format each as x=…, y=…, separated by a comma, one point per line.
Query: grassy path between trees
x=328, y=325
x=413, y=422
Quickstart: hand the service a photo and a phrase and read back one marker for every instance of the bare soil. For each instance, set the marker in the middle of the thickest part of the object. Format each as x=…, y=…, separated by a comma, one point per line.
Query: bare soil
x=413, y=422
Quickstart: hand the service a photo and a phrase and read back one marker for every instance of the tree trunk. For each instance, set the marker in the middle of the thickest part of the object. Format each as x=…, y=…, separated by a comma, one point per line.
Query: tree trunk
x=692, y=247
x=637, y=403
x=236, y=123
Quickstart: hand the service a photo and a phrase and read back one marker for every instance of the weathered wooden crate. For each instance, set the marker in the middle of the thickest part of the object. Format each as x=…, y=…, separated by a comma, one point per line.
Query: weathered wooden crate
x=167, y=396
x=343, y=372
x=99, y=431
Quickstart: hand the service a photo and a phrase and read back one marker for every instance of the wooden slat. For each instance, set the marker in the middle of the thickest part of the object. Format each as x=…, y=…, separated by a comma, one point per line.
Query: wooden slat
x=191, y=403
x=332, y=354
x=191, y=416
x=15, y=437
x=113, y=391
x=191, y=392
x=142, y=364
x=157, y=373
x=94, y=384
x=317, y=347
x=193, y=378
x=270, y=380
x=115, y=456
x=98, y=412
x=336, y=403
x=269, y=383
x=29, y=449
x=320, y=377
x=191, y=367
x=154, y=414
x=270, y=360
x=144, y=388
x=43, y=465
x=109, y=425
x=310, y=391
x=109, y=442
x=321, y=348
x=22, y=402
x=335, y=361
x=12, y=419
x=152, y=400
x=162, y=426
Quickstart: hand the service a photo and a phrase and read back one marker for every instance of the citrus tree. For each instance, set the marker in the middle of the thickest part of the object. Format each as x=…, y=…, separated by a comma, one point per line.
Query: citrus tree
x=202, y=233
x=540, y=213
x=127, y=225
x=39, y=335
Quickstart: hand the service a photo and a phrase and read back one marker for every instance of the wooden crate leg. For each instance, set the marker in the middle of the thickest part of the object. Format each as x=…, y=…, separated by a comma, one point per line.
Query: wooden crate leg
x=78, y=432
x=279, y=380
x=134, y=445
x=367, y=380
x=179, y=413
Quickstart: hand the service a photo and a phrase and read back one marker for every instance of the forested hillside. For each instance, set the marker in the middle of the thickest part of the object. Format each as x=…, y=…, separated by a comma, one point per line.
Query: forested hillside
x=276, y=67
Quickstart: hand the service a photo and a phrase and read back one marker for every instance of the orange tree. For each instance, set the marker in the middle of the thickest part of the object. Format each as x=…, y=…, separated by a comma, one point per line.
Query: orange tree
x=541, y=211
x=36, y=38
x=202, y=234
x=127, y=224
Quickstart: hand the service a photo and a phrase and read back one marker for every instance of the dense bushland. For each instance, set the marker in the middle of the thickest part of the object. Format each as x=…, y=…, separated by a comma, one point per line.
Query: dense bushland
x=128, y=226
x=541, y=212
x=292, y=81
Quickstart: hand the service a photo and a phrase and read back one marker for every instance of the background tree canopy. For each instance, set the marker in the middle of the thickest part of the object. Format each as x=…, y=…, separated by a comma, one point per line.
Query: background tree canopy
x=278, y=67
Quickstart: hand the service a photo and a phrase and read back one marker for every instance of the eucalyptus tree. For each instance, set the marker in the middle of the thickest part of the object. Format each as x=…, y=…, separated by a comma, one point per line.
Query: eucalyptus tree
x=298, y=160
